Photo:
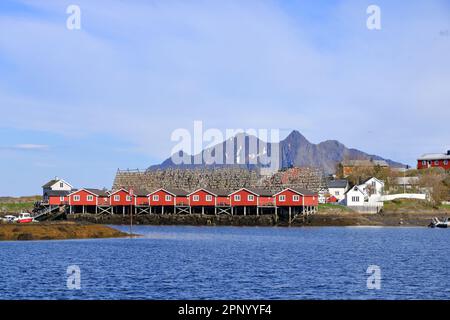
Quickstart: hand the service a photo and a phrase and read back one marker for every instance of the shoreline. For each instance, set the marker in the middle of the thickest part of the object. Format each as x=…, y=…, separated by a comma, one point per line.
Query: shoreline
x=62, y=230
x=317, y=220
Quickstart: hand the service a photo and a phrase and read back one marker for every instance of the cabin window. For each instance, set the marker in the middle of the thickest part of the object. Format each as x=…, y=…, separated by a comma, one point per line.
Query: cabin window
x=355, y=199
x=237, y=197
x=61, y=185
x=155, y=197
x=196, y=197
x=117, y=197
x=250, y=197
x=436, y=162
x=336, y=193
x=445, y=162
x=208, y=197
x=90, y=198
x=296, y=198
x=76, y=198
x=424, y=163
x=282, y=198
x=128, y=198
x=168, y=197
x=61, y=199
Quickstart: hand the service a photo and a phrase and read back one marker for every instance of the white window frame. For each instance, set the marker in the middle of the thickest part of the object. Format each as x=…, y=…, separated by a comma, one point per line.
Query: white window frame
x=76, y=198
x=282, y=198
x=445, y=162
x=296, y=198
x=436, y=162
x=209, y=197
x=168, y=197
x=61, y=199
x=155, y=197
x=196, y=198
x=61, y=184
x=336, y=193
x=116, y=197
x=128, y=198
x=237, y=197
x=424, y=162
x=250, y=197
x=89, y=197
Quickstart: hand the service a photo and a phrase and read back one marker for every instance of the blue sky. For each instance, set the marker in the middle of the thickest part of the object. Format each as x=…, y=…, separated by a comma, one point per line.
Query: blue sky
x=79, y=104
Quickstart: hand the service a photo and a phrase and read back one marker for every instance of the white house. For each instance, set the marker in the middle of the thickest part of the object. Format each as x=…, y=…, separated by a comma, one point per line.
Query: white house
x=55, y=185
x=367, y=193
x=338, y=188
x=374, y=188
x=356, y=196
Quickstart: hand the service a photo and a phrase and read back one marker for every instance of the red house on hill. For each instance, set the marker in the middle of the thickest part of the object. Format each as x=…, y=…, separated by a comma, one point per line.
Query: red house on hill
x=434, y=160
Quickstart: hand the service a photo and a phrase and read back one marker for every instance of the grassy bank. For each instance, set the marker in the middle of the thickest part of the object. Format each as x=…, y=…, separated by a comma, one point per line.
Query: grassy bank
x=57, y=231
x=16, y=205
x=414, y=206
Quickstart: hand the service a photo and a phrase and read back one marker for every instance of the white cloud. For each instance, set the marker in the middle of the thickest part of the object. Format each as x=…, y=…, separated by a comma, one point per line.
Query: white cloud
x=140, y=70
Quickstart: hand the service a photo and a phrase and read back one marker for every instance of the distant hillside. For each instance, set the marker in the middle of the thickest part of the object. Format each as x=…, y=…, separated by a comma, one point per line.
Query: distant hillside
x=295, y=151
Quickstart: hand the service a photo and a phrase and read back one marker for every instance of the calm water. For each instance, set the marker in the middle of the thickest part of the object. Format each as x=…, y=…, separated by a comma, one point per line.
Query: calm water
x=233, y=263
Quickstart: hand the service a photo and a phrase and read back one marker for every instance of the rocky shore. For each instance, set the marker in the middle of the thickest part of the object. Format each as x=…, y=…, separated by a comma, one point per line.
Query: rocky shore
x=318, y=220
x=57, y=231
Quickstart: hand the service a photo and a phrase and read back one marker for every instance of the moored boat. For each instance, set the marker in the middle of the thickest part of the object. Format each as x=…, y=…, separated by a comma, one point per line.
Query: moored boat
x=24, y=217
x=436, y=223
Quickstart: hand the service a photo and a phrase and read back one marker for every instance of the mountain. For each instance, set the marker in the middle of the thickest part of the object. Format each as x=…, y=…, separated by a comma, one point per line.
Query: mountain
x=248, y=151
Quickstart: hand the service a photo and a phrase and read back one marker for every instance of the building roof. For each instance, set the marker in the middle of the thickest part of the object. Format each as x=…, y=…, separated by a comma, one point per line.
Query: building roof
x=177, y=192
x=172, y=191
x=407, y=180
x=304, y=192
x=338, y=183
x=53, y=181
x=220, y=192
x=57, y=193
x=368, y=179
x=364, y=163
x=101, y=193
x=435, y=156
x=261, y=192
x=356, y=188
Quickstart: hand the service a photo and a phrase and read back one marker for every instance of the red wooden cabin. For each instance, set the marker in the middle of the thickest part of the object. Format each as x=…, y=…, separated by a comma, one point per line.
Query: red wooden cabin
x=202, y=198
x=290, y=197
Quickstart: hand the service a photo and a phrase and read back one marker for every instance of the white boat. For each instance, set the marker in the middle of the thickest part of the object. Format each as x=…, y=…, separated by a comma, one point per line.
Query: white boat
x=436, y=223
x=24, y=217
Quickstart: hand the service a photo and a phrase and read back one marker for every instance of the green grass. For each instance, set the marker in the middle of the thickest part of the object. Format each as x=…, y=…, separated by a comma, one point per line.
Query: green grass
x=16, y=207
x=329, y=206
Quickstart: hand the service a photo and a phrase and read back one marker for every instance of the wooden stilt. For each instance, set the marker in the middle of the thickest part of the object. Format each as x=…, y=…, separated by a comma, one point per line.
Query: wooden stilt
x=245, y=210
x=203, y=210
x=290, y=215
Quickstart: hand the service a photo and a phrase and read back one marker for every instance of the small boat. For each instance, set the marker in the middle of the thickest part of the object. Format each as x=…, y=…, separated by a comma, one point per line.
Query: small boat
x=436, y=223
x=24, y=217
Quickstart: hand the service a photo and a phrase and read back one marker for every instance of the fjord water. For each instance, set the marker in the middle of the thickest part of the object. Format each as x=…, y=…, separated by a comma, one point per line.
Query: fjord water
x=233, y=263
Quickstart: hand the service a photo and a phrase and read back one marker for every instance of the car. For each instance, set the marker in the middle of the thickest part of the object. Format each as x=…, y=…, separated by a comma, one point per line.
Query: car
x=9, y=218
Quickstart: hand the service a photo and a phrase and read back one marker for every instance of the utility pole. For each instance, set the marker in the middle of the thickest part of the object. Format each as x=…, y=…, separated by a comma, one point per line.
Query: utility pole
x=131, y=212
